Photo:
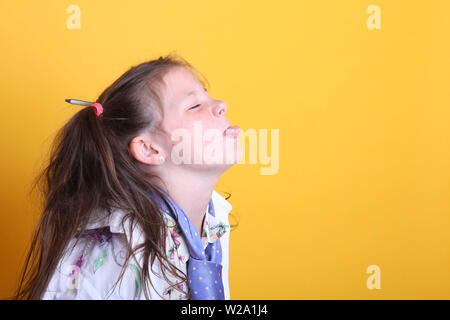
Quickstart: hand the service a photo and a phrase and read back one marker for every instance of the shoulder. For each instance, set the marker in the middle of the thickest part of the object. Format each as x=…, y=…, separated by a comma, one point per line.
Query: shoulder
x=90, y=267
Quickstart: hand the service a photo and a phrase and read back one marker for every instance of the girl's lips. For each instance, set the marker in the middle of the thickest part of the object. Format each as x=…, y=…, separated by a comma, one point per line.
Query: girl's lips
x=232, y=131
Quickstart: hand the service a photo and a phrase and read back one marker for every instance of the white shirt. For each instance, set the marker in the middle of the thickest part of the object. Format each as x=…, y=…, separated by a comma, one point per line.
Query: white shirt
x=103, y=255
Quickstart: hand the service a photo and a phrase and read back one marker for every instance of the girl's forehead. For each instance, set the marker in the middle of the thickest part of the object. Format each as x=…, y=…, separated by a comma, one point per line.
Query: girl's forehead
x=179, y=83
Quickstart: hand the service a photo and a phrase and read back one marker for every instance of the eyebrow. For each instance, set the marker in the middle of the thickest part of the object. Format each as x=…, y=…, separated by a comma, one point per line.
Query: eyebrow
x=193, y=92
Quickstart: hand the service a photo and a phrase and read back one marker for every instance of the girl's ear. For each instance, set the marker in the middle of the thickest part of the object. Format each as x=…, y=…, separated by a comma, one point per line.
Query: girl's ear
x=146, y=151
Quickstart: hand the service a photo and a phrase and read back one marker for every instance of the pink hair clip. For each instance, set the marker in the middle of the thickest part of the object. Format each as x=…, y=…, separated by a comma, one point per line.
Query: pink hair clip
x=98, y=107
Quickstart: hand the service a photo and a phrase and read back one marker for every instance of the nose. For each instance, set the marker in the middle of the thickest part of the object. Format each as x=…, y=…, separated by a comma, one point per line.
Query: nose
x=220, y=109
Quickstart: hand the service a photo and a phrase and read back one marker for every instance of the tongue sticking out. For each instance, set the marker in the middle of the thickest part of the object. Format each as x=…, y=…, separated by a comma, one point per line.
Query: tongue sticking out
x=232, y=131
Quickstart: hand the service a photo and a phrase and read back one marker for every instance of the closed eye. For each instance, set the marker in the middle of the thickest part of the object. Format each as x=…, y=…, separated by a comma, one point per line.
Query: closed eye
x=198, y=105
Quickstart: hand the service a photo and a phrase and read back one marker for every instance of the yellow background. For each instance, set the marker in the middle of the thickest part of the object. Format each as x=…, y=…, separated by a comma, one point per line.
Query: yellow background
x=364, y=176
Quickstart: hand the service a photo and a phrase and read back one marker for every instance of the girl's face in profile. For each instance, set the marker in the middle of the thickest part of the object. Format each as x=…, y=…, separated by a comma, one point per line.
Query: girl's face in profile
x=197, y=122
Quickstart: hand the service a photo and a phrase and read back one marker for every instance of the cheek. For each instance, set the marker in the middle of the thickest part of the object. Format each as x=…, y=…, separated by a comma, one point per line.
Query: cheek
x=198, y=125
x=192, y=132
x=176, y=131
x=174, y=124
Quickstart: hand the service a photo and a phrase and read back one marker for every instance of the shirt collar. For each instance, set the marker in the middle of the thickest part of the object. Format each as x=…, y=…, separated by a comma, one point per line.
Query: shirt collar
x=214, y=227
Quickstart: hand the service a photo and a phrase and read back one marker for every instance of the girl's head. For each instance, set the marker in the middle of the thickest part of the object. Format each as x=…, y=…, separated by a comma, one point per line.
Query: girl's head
x=111, y=161
x=190, y=130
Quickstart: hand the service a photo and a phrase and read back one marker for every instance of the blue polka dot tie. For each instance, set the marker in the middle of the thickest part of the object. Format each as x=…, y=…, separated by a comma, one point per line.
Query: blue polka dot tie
x=204, y=267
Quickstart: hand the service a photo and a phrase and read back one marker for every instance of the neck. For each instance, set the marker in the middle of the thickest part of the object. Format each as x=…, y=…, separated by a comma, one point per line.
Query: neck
x=192, y=191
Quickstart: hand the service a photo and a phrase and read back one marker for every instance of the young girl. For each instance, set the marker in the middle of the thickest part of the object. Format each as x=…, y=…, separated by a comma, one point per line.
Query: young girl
x=123, y=217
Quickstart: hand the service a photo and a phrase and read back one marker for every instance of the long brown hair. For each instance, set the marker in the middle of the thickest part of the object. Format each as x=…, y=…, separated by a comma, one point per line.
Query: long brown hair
x=90, y=167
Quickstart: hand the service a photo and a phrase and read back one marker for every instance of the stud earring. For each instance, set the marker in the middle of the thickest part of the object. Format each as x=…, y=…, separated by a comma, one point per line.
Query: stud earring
x=161, y=160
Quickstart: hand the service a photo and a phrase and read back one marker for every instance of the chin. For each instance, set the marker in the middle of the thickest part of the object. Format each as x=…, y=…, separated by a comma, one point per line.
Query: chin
x=219, y=165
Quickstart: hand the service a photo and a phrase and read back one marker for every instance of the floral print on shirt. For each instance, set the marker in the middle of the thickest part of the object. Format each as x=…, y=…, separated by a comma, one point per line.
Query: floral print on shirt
x=103, y=238
x=177, y=248
x=213, y=229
